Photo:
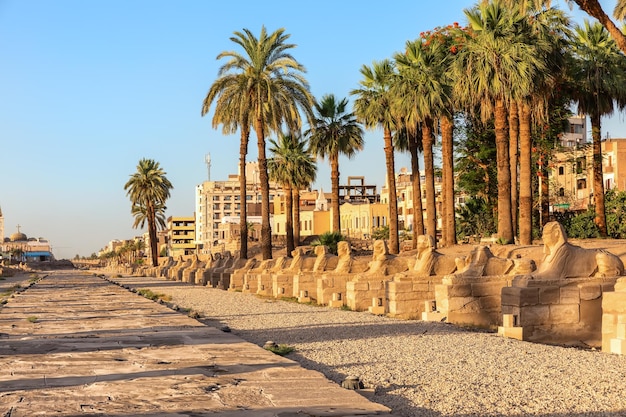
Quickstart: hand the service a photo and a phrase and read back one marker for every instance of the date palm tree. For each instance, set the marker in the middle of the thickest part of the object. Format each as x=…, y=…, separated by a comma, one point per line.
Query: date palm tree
x=334, y=132
x=598, y=72
x=424, y=90
x=496, y=66
x=276, y=92
x=148, y=189
x=373, y=108
x=291, y=165
x=140, y=213
x=233, y=110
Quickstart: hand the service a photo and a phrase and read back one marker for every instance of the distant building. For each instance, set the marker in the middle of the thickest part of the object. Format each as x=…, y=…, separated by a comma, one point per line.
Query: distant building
x=570, y=174
x=218, y=202
x=181, y=236
x=20, y=248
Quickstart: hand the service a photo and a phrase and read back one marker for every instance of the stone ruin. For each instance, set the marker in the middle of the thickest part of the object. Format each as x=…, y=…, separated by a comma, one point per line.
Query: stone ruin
x=570, y=294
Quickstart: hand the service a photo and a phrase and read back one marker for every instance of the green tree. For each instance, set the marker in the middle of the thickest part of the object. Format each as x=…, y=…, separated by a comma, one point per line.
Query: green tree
x=234, y=111
x=277, y=92
x=330, y=240
x=291, y=165
x=335, y=132
x=475, y=218
x=598, y=72
x=373, y=107
x=497, y=64
x=148, y=189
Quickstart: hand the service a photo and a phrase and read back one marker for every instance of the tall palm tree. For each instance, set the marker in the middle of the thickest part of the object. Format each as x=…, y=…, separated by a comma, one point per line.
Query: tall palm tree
x=233, y=110
x=302, y=179
x=291, y=165
x=497, y=65
x=410, y=140
x=373, y=108
x=148, y=188
x=334, y=132
x=594, y=9
x=140, y=213
x=277, y=92
x=425, y=96
x=598, y=71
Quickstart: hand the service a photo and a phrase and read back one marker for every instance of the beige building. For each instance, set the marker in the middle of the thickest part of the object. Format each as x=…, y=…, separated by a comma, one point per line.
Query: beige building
x=218, y=202
x=571, y=174
x=404, y=193
x=181, y=236
x=315, y=216
x=360, y=219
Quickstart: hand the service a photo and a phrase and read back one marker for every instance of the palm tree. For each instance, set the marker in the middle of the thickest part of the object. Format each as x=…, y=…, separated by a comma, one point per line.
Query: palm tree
x=598, y=71
x=233, y=111
x=424, y=91
x=148, y=188
x=373, y=108
x=291, y=165
x=302, y=179
x=411, y=140
x=334, y=132
x=276, y=90
x=497, y=65
x=140, y=213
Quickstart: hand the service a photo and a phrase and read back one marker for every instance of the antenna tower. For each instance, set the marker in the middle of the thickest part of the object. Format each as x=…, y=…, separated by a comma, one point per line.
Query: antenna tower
x=207, y=159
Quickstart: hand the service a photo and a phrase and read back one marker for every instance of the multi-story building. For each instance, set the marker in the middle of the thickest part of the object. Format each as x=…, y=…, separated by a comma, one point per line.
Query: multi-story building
x=315, y=216
x=181, y=236
x=571, y=174
x=218, y=202
x=576, y=133
x=404, y=193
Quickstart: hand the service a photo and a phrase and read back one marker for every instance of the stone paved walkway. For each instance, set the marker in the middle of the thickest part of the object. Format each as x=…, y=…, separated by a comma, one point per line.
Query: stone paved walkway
x=75, y=344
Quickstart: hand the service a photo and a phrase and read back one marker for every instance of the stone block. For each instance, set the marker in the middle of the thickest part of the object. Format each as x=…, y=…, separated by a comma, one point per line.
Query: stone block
x=511, y=332
x=406, y=296
x=399, y=286
x=422, y=287
x=591, y=314
x=614, y=302
x=570, y=295
x=433, y=316
x=549, y=295
x=620, y=331
x=460, y=290
x=511, y=310
x=441, y=291
x=620, y=284
x=357, y=286
x=534, y=315
x=490, y=303
x=564, y=314
x=519, y=297
x=486, y=289
x=618, y=346
x=590, y=291
x=430, y=305
x=508, y=320
x=377, y=310
x=464, y=304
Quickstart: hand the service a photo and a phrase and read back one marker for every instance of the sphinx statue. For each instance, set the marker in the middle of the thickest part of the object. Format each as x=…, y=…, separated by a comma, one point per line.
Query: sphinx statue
x=430, y=262
x=563, y=260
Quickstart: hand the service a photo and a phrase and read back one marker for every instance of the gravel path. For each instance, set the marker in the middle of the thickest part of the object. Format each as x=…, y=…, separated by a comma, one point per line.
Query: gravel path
x=418, y=368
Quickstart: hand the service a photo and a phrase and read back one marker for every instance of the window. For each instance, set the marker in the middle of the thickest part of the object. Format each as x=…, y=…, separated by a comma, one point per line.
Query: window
x=581, y=184
x=561, y=170
x=227, y=197
x=561, y=192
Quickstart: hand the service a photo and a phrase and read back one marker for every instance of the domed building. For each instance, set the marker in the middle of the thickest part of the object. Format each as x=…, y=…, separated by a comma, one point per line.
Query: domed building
x=19, y=247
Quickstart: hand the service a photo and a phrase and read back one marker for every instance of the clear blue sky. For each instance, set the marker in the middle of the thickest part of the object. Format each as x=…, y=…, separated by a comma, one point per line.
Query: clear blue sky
x=88, y=88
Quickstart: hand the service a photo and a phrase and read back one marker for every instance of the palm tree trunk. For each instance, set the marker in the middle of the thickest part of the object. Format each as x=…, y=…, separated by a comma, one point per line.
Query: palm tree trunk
x=296, y=217
x=334, y=198
x=418, y=211
x=289, y=218
x=514, y=133
x=505, y=223
x=394, y=244
x=594, y=8
x=429, y=168
x=447, y=156
x=152, y=233
x=243, y=202
x=598, y=181
x=266, y=230
x=525, y=177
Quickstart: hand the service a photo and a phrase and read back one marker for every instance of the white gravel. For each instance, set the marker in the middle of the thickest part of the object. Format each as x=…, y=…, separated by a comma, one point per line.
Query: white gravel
x=418, y=368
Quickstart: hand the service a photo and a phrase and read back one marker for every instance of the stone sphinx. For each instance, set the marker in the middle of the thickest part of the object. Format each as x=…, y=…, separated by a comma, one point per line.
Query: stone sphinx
x=430, y=262
x=564, y=260
x=384, y=263
x=304, y=282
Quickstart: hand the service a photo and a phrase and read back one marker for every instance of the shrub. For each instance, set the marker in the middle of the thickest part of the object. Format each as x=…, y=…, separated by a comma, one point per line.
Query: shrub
x=329, y=239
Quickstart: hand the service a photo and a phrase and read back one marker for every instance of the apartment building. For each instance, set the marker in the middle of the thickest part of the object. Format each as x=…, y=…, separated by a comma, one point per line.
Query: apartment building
x=219, y=202
x=571, y=174
x=181, y=236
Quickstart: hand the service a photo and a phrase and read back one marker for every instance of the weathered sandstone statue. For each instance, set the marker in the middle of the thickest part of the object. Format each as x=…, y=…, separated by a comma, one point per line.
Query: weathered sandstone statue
x=564, y=260
x=430, y=262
